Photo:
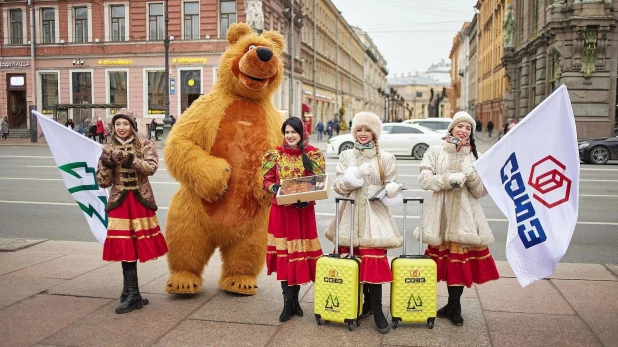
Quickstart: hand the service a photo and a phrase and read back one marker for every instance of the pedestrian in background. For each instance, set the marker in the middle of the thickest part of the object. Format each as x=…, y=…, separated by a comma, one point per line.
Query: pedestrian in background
x=153, y=130
x=454, y=226
x=490, y=127
x=362, y=172
x=320, y=128
x=337, y=128
x=69, y=124
x=293, y=244
x=100, y=131
x=133, y=231
x=172, y=120
x=5, y=128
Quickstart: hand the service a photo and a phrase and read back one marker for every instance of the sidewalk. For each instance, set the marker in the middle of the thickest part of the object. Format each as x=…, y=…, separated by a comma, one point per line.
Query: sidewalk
x=59, y=293
x=41, y=142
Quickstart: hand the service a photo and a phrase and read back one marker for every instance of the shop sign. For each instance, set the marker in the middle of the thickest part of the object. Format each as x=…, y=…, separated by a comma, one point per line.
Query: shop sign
x=116, y=62
x=47, y=111
x=17, y=81
x=189, y=60
x=156, y=111
x=10, y=64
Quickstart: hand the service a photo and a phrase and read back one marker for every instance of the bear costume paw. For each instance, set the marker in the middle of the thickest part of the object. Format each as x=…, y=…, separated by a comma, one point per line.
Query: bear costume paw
x=239, y=284
x=183, y=282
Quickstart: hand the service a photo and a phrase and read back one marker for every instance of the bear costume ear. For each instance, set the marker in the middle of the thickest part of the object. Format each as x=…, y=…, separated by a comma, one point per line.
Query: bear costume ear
x=276, y=38
x=236, y=31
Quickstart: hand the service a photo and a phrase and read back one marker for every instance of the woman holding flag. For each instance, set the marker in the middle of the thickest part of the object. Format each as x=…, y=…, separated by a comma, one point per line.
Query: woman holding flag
x=454, y=226
x=133, y=230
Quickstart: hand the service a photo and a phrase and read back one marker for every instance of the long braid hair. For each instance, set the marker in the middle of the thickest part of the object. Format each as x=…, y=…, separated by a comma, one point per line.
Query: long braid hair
x=380, y=166
x=473, y=144
x=297, y=125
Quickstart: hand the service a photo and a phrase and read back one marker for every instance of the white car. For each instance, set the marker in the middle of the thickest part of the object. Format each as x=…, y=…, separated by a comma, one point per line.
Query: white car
x=397, y=138
x=438, y=124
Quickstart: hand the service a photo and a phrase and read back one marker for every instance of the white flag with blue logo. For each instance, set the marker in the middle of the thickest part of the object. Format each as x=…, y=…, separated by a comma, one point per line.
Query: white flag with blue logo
x=532, y=174
x=77, y=158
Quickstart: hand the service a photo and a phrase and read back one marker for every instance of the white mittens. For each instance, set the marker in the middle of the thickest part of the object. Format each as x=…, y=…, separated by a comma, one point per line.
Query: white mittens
x=392, y=188
x=363, y=171
x=457, y=179
x=468, y=171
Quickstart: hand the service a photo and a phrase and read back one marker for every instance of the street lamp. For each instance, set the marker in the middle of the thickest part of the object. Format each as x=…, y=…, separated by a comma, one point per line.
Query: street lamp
x=385, y=96
x=167, y=122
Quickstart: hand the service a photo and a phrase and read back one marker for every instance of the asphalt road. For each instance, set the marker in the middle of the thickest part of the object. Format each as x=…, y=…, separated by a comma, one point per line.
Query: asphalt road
x=34, y=203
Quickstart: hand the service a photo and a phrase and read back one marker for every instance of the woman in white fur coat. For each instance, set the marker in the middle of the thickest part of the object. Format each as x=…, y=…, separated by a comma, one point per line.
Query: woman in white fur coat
x=454, y=225
x=362, y=172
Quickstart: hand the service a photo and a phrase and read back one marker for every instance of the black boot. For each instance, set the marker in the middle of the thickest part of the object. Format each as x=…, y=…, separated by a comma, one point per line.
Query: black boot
x=453, y=310
x=376, y=304
x=298, y=311
x=367, y=310
x=125, y=291
x=134, y=299
x=288, y=302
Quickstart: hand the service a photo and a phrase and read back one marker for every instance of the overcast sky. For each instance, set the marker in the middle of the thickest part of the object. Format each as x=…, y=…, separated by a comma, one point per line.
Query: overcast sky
x=410, y=34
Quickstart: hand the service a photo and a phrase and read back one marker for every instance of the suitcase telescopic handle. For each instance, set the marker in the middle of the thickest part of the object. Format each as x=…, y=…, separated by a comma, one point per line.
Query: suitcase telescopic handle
x=337, y=200
x=420, y=241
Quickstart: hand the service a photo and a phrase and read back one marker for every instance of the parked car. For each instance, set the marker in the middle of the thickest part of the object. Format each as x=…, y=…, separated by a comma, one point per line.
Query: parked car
x=397, y=138
x=438, y=124
x=598, y=151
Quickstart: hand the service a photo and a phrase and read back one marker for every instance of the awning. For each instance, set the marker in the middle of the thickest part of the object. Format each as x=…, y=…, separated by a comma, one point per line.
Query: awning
x=306, y=108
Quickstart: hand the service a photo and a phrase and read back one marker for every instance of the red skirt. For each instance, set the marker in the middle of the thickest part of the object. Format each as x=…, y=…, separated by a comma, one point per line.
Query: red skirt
x=463, y=266
x=293, y=245
x=133, y=233
x=374, y=267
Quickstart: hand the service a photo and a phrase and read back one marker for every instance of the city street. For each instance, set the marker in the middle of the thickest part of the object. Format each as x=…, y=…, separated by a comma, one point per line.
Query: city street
x=35, y=204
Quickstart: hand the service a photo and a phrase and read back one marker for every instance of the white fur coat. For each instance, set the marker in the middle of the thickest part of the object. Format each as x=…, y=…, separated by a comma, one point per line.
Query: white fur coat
x=374, y=225
x=452, y=214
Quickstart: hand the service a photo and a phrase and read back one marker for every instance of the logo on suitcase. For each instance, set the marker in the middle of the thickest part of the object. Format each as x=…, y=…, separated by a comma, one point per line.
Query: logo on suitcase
x=415, y=277
x=332, y=303
x=415, y=304
x=333, y=274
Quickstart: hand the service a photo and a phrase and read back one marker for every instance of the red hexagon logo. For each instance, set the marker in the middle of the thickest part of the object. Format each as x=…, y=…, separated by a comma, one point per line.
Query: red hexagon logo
x=548, y=179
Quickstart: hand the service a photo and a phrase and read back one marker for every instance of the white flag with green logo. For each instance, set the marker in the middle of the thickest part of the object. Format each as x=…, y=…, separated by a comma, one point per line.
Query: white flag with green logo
x=77, y=157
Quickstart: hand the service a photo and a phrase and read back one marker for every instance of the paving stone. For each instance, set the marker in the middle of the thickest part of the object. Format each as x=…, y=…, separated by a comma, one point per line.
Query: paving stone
x=40, y=316
x=538, y=297
x=14, y=289
x=524, y=329
x=613, y=268
x=139, y=328
x=467, y=293
x=69, y=248
x=594, y=272
x=16, y=244
x=232, y=308
x=473, y=333
x=202, y=333
x=106, y=281
x=595, y=302
x=63, y=267
x=504, y=269
x=10, y=262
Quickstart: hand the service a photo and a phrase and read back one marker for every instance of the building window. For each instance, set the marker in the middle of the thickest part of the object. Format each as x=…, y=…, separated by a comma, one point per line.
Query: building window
x=82, y=94
x=419, y=94
x=227, y=16
x=16, y=27
x=49, y=25
x=117, y=89
x=155, y=21
x=535, y=17
x=532, y=84
x=81, y=24
x=117, y=27
x=49, y=91
x=192, y=20
x=156, y=91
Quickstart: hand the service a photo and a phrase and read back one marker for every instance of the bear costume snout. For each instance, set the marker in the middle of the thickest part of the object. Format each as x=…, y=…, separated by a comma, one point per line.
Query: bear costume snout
x=257, y=67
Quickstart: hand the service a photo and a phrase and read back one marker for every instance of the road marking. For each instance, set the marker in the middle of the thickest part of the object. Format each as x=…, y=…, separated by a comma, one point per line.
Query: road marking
x=60, y=179
x=318, y=214
x=53, y=166
x=27, y=156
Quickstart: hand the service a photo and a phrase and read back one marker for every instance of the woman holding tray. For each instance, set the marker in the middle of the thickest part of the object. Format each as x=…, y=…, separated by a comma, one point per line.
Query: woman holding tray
x=361, y=173
x=293, y=244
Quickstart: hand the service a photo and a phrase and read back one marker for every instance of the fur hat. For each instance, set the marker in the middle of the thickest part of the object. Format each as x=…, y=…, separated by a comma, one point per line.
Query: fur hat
x=368, y=119
x=125, y=114
x=461, y=116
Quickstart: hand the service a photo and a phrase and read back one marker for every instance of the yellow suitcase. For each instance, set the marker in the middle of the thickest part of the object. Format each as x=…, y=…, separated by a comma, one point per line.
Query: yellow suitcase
x=414, y=290
x=337, y=289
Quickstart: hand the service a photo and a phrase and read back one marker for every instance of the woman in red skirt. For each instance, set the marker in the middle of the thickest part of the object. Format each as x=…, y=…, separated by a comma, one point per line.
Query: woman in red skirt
x=293, y=244
x=133, y=231
x=454, y=225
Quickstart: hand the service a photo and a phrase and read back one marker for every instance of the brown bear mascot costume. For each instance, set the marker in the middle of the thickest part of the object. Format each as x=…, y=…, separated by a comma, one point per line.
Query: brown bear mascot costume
x=215, y=151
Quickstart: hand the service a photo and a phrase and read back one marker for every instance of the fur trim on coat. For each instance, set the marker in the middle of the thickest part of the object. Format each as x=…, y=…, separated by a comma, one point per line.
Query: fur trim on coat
x=350, y=176
x=452, y=214
x=394, y=201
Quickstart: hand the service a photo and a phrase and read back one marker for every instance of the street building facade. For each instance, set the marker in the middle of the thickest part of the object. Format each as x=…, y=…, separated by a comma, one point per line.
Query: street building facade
x=549, y=43
x=374, y=76
x=471, y=67
x=457, y=93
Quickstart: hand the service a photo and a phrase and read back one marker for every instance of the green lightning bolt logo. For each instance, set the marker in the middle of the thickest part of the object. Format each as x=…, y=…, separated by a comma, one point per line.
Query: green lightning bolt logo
x=414, y=303
x=91, y=175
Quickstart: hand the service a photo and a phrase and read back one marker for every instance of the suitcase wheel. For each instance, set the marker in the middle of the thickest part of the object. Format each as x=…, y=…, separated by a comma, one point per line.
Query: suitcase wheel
x=350, y=326
x=318, y=319
x=430, y=322
x=395, y=323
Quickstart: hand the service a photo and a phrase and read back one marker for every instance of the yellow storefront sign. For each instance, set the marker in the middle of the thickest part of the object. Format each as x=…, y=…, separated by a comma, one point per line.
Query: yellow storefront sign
x=116, y=62
x=156, y=111
x=189, y=60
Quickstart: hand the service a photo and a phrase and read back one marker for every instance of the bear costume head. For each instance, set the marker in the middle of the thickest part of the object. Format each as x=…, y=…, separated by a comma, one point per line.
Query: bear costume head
x=251, y=67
